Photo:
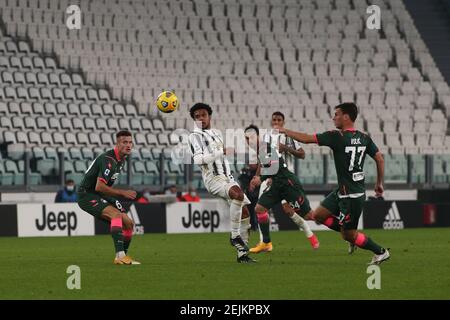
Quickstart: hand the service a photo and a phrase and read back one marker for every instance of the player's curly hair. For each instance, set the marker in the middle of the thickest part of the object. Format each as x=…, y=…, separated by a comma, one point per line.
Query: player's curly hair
x=200, y=106
x=252, y=127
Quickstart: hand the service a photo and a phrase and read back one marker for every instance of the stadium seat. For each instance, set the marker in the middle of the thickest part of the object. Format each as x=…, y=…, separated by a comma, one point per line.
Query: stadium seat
x=82, y=138
x=58, y=138
x=71, y=139
x=50, y=109
x=87, y=153
x=30, y=123
x=75, y=153
x=106, y=139
x=54, y=124
x=94, y=139
x=46, y=167
x=89, y=124
x=224, y=53
x=34, y=138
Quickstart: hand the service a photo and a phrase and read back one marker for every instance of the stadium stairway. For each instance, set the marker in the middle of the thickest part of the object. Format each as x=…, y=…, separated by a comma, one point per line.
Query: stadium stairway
x=432, y=19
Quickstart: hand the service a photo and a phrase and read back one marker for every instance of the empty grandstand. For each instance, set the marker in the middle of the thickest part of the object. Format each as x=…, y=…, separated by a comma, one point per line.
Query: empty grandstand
x=64, y=93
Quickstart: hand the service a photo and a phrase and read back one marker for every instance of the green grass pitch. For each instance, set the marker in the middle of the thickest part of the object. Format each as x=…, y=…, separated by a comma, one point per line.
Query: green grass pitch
x=203, y=266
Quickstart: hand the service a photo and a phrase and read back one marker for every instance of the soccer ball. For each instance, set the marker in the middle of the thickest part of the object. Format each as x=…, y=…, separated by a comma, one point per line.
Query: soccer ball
x=167, y=102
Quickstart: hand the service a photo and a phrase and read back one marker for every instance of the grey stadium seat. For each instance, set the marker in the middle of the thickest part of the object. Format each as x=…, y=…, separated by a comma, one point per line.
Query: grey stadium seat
x=75, y=153
x=49, y=108
x=70, y=138
x=87, y=152
x=34, y=138
x=46, y=138
x=124, y=124
x=78, y=124
x=14, y=108
x=85, y=109
x=58, y=138
x=151, y=139
x=82, y=138
x=30, y=123
x=94, y=139
x=41, y=123
x=101, y=124
x=113, y=124
x=89, y=124
x=54, y=124
x=62, y=108
x=139, y=139
x=106, y=139
x=66, y=123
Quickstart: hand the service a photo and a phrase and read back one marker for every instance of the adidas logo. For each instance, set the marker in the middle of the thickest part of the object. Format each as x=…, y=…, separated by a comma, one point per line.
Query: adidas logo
x=138, y=227
x=393, y=219
x=273, y=222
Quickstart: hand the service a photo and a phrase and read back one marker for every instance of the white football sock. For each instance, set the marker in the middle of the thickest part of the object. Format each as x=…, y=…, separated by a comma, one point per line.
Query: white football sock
x=120, y=254
x=260, y=234
x=245, y=225
x=302, y=224
x=235, y=217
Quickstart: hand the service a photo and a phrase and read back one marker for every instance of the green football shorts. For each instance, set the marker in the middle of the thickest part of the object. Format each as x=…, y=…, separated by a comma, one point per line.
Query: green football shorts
x=286, y=186
x=346, y=210
x=94, y=204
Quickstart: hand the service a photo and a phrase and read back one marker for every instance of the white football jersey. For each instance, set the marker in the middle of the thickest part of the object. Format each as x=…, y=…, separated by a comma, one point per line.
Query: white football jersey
x=289, y=159
x=205, y=142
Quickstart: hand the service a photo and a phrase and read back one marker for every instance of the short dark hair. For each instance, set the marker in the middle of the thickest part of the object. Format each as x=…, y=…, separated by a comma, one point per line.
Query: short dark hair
x=123, y=133
x=70, y=181
x=252, y=127
x=278, y=113
x=349, y=108
x=200, y=106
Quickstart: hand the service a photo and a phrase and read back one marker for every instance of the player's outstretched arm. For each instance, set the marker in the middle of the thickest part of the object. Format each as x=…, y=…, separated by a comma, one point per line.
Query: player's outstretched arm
x=379, y=160
x=202, y=158
x=102, y=188
x=299, y=153
x=301, y=137
x=199, y=155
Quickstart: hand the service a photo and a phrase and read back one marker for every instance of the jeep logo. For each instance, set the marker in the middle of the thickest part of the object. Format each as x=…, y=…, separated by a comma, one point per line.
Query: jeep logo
x=205, y=219
x=61, y=220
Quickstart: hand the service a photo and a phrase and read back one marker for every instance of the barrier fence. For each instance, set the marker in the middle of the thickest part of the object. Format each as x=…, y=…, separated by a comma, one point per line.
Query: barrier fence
x=211, y=215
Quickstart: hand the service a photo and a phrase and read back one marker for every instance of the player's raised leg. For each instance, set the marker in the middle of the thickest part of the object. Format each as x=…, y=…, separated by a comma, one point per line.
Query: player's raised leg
x=296, y=205
x=302, y=224
x=323, y=215
x=237, y=204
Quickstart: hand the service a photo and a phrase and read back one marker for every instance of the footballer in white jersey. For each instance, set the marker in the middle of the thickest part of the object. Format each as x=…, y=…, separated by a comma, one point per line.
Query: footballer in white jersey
x=208, y=152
